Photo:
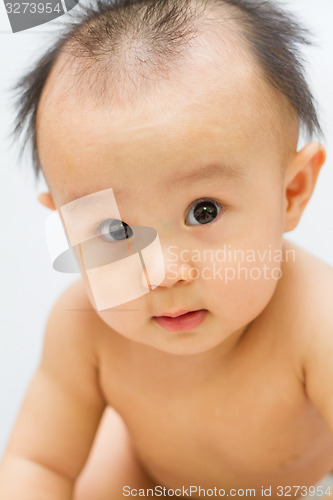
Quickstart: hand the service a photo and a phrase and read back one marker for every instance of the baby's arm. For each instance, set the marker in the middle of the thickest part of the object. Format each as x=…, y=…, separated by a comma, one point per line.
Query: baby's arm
x=60, y=414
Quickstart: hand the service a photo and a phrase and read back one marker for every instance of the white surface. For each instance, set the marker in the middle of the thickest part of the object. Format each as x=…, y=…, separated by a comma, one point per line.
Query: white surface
x=29, y=286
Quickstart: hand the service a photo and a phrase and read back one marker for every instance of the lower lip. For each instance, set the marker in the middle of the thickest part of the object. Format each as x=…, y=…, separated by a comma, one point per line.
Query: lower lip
x=182, y=323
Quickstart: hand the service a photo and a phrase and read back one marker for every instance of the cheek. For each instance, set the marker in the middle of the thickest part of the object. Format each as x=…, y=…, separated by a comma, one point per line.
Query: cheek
x=241, y=287
x=123, y=319
x=267, y=216
x=251, y=291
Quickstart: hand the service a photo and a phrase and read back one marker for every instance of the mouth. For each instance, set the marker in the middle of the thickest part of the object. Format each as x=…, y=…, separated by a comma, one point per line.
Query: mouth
x=181, y=321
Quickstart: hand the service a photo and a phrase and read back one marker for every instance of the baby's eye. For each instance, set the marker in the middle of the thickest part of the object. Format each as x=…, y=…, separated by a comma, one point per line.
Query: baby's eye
x=114, y=230
x=203, y=212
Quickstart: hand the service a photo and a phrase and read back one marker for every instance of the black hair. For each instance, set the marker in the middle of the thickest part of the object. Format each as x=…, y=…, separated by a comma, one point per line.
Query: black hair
x=163, y=29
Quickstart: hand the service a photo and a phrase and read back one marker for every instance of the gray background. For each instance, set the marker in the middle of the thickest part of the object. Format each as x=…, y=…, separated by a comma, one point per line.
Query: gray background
x=28, y=285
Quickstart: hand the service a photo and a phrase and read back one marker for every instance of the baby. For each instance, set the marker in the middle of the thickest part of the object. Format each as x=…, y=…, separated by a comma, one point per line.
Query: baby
x=208, y=373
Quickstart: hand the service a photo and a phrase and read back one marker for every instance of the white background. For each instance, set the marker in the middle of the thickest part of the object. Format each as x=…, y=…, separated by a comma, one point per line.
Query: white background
x=28, y=285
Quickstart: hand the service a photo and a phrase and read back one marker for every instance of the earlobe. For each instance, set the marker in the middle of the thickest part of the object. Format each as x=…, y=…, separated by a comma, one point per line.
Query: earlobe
x=46, y=200
x=301, y=178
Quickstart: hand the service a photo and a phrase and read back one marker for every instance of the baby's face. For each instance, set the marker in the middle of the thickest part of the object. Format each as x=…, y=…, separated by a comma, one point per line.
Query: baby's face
x=201, y=164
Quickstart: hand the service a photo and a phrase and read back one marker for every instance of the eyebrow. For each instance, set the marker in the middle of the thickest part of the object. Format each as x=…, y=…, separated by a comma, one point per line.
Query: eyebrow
x=200, y=173
x=211, y=170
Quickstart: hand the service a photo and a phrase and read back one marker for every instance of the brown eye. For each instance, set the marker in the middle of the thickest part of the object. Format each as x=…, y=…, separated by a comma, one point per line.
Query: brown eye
x=203, y=212
x=114, y=230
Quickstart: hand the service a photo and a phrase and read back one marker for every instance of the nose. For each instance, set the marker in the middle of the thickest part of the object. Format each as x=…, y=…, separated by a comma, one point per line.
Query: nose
x=166, y=268
x=176, y=271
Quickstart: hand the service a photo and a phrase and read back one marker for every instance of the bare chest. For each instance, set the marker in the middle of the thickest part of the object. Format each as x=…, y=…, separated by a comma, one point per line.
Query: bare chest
x=251, y=422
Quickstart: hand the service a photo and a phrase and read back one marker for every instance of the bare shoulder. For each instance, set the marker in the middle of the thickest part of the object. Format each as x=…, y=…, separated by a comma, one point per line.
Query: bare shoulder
x=309, y=285
x=73, y=306
x=75, y=297
x=73, y=325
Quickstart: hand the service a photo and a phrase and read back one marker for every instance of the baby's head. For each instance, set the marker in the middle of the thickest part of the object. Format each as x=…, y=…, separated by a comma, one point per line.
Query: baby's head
x=190, y=110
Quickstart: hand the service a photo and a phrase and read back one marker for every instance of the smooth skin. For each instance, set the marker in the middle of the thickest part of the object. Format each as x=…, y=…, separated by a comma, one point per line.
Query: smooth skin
x=242, y=401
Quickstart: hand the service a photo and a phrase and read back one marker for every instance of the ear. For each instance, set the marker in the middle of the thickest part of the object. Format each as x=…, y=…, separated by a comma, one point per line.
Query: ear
x=46, y=200
x=300, y=180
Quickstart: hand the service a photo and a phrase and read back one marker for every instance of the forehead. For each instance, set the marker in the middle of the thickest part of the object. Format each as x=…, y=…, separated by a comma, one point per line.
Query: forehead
x=215, y=107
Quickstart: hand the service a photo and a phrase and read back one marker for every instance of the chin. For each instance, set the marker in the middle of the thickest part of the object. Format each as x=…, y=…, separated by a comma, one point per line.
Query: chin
x=185, y=344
